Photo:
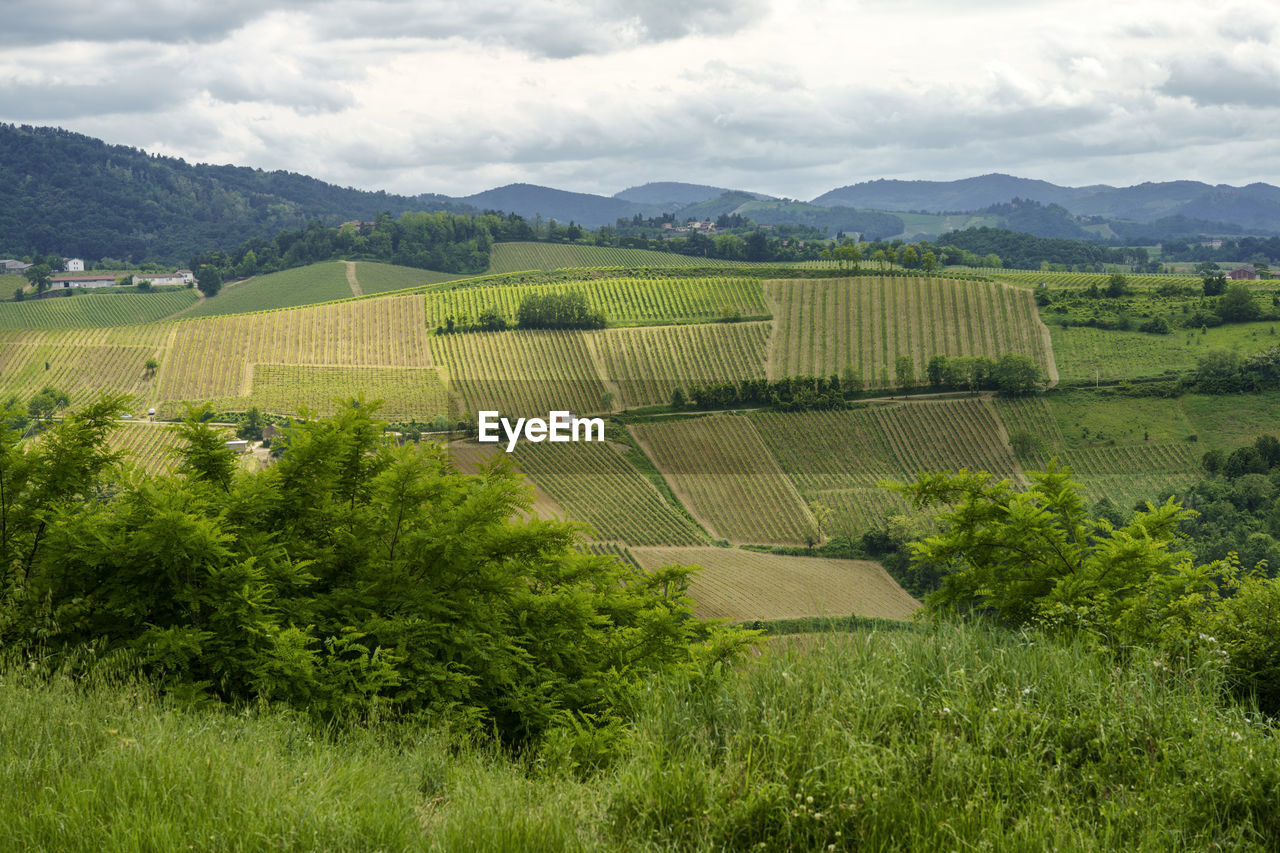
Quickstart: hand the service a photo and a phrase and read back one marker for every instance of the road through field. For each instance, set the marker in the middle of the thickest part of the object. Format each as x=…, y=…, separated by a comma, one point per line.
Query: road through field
x=352, y=280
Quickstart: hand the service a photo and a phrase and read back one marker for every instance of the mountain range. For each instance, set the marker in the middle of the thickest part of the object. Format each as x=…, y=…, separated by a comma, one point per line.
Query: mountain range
x=66, y=193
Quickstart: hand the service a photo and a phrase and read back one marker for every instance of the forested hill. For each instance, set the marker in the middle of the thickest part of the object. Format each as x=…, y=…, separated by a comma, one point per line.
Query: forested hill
x=69, y=194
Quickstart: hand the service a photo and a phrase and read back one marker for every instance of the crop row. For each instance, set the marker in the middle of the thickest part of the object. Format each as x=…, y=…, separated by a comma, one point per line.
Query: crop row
x=829, y=450
x=947, y=435
x=624, y=301
x=91, y=310
x=646, y=365
x=1152, y=458
x=825, y=326
x=406, y=392
x=515, y=257
x=596, y=485
x=725, y=475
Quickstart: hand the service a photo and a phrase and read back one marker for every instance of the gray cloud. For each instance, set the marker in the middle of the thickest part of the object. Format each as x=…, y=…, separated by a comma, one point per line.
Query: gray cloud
x=1217, y=80
x=37, y=22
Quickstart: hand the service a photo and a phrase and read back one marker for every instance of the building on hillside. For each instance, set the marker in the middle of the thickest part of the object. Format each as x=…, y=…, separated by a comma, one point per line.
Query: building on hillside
x=73, y=264
x=159, y=279
x=10, y=266
x=1244, y=273
x=87, y=280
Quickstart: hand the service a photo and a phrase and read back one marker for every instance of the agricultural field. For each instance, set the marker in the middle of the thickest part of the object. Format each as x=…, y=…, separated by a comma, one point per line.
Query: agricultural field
x=646, y=364
x=146, y=446
x=526, y=373
x=1083, y=280
x=321, y=282
x=744, y=586
x=1084, y=353
x=823, y=326
x=516, y=257
x=1225, y=423
x=209, y=358
x=724, y=474
x=374, y=278
x=472, y=457
x=94, y=310
x=407, y=393
x=624, y=301
x=838, y=459
x=595, y=484
x=82, y=362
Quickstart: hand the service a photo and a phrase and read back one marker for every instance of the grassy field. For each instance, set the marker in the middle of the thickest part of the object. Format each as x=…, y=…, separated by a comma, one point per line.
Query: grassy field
x=724, y=474
x=918, y=739
x=597, y=485
x=320, y=282
x=373, y=278
x=1086, y=353
x=745, y=586
x=824, y=326
x=514, y=257
x=81, y=362
x=623, y=301
x=91, y=310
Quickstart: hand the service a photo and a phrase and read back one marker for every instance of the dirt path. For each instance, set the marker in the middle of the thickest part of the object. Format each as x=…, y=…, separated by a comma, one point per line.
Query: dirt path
x=352, y=280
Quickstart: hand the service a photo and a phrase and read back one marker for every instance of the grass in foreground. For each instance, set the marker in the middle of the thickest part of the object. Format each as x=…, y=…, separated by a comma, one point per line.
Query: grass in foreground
x=925, y=739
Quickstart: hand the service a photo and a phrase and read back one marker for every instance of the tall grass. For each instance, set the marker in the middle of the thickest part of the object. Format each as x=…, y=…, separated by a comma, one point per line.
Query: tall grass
x=931, y=739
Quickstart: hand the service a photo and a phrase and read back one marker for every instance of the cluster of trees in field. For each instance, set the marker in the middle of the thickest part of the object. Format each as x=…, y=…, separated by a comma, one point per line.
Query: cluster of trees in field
x=1260, y=251
x=1025, y=251
x=564, y=310
x=1012, y=374
x=1222, y=371
x=351, y=577
x=1114, y=305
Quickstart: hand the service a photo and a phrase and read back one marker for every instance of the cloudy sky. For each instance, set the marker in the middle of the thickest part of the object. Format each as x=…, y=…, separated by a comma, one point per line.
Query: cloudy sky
x=789, y=98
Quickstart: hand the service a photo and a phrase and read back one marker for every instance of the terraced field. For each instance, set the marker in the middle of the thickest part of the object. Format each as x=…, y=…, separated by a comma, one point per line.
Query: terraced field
x=94, y=310
x=514, y=257
x=596, y=485
x=745, y=586
x=824, y=326
x=724, y=474
x=646, y=365
x=624, y=301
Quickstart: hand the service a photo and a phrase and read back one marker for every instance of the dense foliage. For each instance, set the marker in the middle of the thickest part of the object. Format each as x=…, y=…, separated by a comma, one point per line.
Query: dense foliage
x=65, y=193
x=350, y=575
x=1039, y=558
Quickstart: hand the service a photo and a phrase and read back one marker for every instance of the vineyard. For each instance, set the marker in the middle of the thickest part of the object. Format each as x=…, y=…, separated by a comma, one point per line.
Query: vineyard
x=210, y=358
x=150, y=447
x=624, y=301
x=646, y=365
x=724, y=474
x=375, y=278
x=947, y=435
x=515, y=257
x=82, y=362
x=824, y=326
x=744, y=586
x=92, y=310
x=522, y=373
x=596, y=485
x=1031, y=416
x=407, y=393
x=1082, y=280
x=322, y=282
x=473, y=457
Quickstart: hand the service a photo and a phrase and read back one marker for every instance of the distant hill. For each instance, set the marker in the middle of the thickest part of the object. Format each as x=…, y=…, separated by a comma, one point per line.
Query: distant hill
x=70, y=194
x=1240, y=210
x=529, y=200
x=941, y=196
x=670, y=193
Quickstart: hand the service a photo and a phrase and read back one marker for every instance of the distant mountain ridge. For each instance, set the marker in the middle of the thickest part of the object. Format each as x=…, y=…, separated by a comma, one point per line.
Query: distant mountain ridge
x=70, y=194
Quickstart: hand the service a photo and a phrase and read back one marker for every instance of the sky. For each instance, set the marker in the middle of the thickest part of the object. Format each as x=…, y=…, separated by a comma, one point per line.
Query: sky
x=774, y=96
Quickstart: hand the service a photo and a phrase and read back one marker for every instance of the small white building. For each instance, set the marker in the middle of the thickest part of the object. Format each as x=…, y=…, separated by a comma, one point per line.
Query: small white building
x=74, y=264
x=159, y=279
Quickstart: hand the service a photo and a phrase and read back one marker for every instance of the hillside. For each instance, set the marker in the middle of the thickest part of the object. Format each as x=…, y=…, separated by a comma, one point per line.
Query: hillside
x=70, y=194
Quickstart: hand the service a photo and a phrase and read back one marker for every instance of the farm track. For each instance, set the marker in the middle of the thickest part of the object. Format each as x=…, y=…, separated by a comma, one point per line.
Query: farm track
x=352, y=281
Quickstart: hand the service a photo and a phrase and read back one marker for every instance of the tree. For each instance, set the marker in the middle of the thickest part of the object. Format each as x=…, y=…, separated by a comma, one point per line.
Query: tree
x=1016, y=375
x=929, y=262
x=251, y=425
x=909, y=258
x=39, y=276
x=209, y=280
x=937, y=370
x=1215, y=284
x=1117, y=285
x=904, y=369
x=1236, y=305
x=151, y=366
x=47, y=402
